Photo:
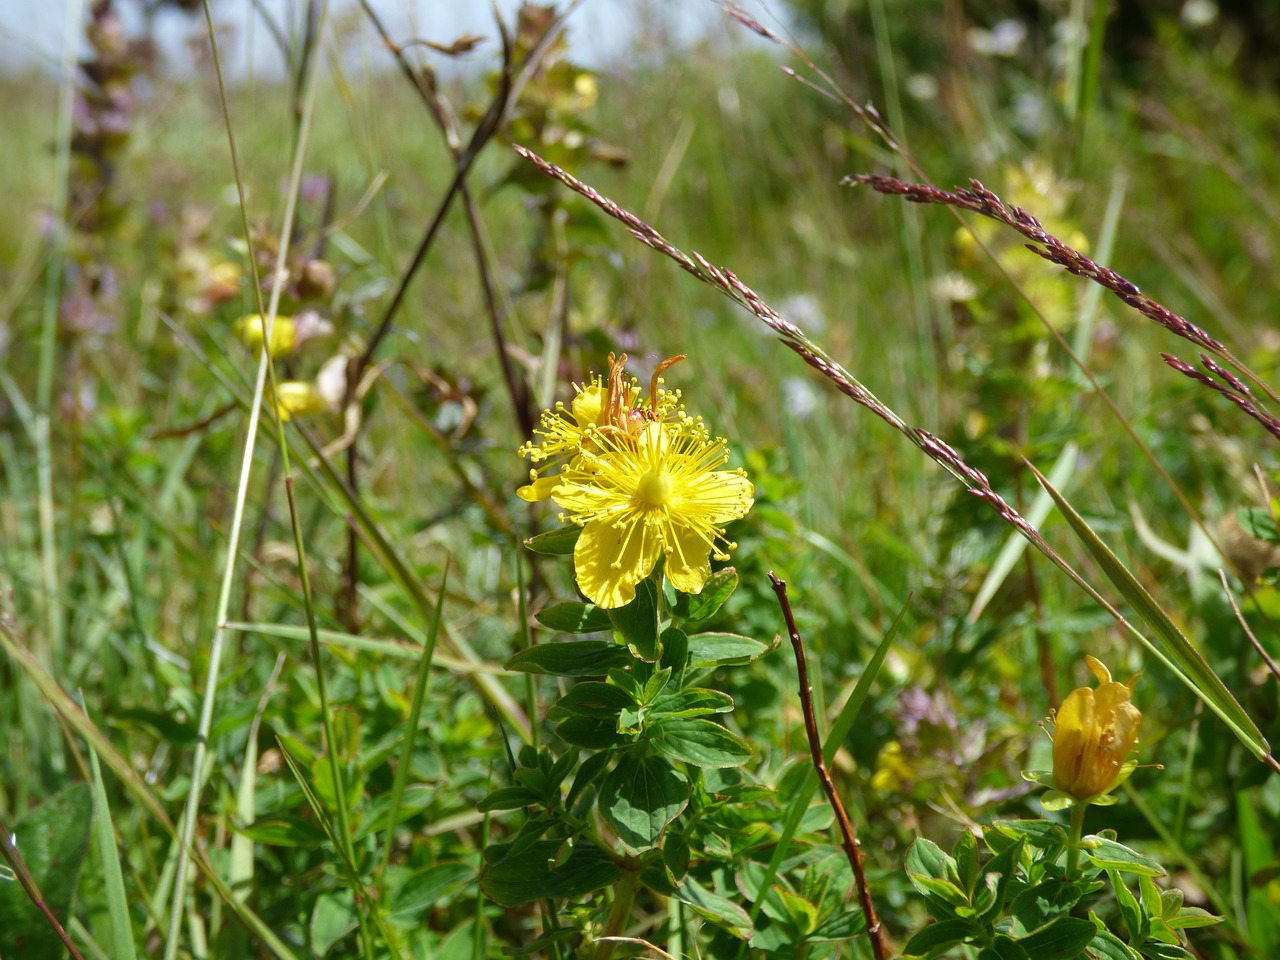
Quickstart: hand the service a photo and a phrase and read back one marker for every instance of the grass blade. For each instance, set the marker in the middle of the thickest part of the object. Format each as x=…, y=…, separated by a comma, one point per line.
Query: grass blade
x=1173, y=647
x=119, y=928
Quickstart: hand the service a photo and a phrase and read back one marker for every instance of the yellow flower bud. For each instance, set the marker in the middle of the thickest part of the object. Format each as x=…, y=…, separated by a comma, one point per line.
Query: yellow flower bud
x=251, y=329
x=1093, y=733
x=297, y=398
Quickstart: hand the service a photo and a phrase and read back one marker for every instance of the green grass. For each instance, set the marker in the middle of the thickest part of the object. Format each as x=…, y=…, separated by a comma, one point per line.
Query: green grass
x=731, y=158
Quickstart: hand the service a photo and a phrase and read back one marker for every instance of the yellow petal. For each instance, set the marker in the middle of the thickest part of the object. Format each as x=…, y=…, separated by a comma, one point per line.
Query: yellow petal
x=733, y=497
x=611, y=557
x=688, y=560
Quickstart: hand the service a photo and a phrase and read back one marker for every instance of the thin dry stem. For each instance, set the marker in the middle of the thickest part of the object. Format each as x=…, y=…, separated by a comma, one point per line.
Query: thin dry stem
x=32, y=890
x=1244, y=625
x=852, y=848
x=978, y=199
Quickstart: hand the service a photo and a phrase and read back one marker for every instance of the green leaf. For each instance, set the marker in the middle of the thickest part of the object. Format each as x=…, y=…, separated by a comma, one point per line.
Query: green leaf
x=511, y=880
x=1041, y=834
x=592, y=698
x=931, y=870
x=1258, y=523
x=1037, y=906
x=724, y=649
x=1062, y=939
x=1105, y=945
x=570, y=658
x=53, y=841
x=1001, y=869
x=636, y=624
x=428, y=887
x=591, y=768
x=640, y=796
x=1164, y=951
x=719, y=910
x=702, y=743
x=694, y=607
x=1110, y=855
x=119, y=927
x=1129, y=908
x=965, y=854
x=940, y=937
x=1173, y=648
x=556, y=543
x=1004, y=947
x=508, y=798
x=844, y=925
x=592, y=733
x=675, y=653
x=926, y=859
x=802, y=914
x=691, y=702
x=286, y=832
x=574, y=617
x=333, y=918
x=1188, y=917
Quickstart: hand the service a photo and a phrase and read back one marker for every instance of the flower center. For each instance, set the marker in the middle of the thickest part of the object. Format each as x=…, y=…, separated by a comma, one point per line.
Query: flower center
x=654, y=488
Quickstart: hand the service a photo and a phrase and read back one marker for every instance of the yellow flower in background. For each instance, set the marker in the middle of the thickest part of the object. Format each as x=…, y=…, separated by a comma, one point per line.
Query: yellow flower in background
x=638, y=496
x=1093, y=734
x=252, y=330
x=298, y=398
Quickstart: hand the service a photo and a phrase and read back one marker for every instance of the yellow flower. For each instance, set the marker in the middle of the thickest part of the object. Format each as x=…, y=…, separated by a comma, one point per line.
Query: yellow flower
x=607, y=407
x=297, y=398
x=251, y=329
x=637, y=496
x=1093, y=733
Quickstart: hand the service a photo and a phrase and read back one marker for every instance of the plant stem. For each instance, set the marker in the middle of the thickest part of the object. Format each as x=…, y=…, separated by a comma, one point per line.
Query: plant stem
x=9, y=854
x=875, y=932
x=1073, y=838
x=623, y=898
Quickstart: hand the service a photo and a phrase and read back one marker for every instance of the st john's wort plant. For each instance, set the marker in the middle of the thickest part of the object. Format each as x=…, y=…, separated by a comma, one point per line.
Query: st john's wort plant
x=642, y=791
x=1026, y=899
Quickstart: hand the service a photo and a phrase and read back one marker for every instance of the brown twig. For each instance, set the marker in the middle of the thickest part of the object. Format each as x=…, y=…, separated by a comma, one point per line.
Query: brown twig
x=32, y=889
x=852, y=848
x=512, y=80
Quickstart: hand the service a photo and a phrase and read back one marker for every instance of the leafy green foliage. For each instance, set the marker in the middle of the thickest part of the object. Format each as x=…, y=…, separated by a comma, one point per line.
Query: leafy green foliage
x=573, y=768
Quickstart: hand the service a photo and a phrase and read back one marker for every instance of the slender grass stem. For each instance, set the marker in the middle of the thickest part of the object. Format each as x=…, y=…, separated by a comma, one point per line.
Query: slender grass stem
x=51, y=647
x=218, y=641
